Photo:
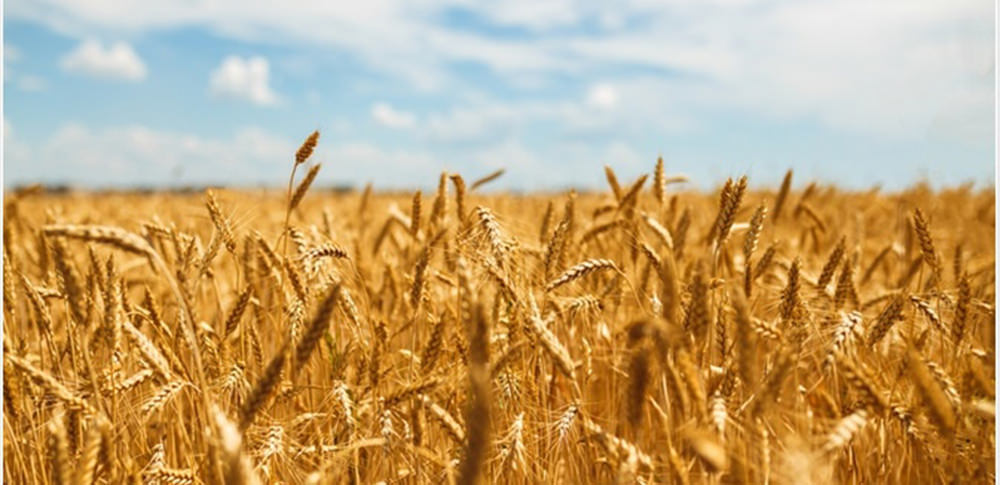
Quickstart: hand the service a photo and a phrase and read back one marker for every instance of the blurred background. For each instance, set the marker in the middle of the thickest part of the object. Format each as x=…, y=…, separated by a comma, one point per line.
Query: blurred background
x=102, y=93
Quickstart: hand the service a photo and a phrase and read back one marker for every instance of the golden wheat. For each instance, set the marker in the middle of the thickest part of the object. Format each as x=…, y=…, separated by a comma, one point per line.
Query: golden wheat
x=599, y=337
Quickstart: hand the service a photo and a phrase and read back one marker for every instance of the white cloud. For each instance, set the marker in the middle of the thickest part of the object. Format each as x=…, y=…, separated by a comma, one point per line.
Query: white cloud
x=652, y=107
x=117, y=61
x=489, y=119
x=386, y=115
x=32, y=84
x=536, y=15
x=241, y=78
x=138, y=155
x=896, y=66
x=508, y=153
x=398, y=168
x=603, y=96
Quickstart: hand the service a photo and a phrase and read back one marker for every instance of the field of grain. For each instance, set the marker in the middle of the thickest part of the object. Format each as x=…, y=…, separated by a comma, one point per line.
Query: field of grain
x=644, y=334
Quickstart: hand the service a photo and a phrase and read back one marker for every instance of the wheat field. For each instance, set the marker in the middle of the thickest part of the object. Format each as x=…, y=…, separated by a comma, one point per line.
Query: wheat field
x=643, y=334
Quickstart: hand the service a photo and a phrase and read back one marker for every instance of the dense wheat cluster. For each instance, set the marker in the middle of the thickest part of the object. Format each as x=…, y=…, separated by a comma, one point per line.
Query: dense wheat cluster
x=642, y=335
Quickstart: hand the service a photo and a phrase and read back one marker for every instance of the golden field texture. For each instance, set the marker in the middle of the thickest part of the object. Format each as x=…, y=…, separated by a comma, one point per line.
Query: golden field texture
x=641, y=335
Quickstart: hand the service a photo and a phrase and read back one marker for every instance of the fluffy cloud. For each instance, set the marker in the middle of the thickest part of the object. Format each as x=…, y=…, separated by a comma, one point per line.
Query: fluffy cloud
x=387, y=168
x=386, y=115
x=603, y=96
x=116, y=61
x=138, y=155
x=653, y=105
x=489, y=119
x=897, y=65
x=134, y=155
x=247, y=79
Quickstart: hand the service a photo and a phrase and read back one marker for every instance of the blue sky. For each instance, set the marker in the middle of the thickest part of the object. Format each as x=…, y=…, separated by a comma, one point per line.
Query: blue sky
x=858, y=93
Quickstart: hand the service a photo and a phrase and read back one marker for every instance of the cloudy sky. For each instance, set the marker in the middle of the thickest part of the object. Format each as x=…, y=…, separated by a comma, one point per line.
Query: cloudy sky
x=109, y=93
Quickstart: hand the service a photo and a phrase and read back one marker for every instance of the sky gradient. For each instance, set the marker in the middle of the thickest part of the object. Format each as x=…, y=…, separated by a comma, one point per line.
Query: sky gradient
x=166, y=93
